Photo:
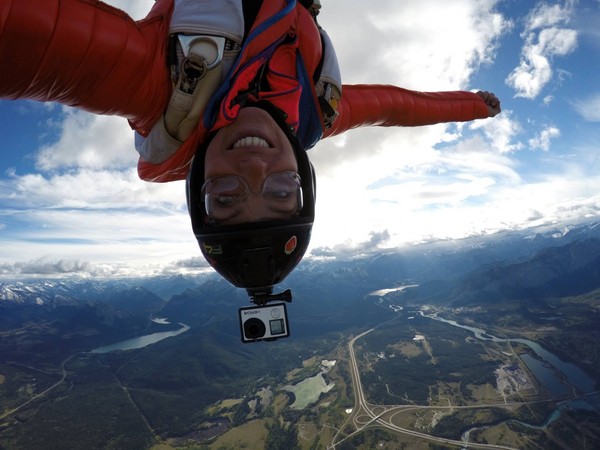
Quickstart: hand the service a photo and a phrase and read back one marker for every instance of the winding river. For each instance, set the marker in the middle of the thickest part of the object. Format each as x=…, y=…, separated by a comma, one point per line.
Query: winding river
x=558, y=377
x=573, y=375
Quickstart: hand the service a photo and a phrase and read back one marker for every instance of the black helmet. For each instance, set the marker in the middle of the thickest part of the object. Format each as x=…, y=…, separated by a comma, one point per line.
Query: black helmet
x=255, y=255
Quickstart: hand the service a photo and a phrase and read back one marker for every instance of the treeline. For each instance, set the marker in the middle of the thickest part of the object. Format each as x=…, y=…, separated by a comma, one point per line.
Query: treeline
x=454, y=425
x=453, y=360
x=281, y=437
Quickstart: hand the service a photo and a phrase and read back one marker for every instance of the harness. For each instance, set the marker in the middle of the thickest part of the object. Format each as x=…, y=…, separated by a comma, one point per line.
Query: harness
x=278, y=63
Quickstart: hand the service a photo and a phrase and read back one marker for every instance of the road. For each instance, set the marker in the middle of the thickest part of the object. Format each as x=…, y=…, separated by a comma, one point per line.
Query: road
x=366, y=415
x=41, y=394
x=10, y=412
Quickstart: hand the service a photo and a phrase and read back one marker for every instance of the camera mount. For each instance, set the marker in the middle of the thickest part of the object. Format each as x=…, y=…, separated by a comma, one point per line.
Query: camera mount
x=261, y=297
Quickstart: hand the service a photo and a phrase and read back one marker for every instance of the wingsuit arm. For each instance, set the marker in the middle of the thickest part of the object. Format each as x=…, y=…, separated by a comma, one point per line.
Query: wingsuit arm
x=388, y=106
x=86, y=54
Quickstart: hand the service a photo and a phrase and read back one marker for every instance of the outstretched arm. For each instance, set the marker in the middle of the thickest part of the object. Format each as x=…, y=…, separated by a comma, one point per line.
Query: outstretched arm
x=86, y=54
x=388, y=106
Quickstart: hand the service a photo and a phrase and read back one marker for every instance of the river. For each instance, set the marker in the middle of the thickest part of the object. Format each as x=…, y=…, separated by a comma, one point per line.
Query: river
x=572, y=375
x=558, y=377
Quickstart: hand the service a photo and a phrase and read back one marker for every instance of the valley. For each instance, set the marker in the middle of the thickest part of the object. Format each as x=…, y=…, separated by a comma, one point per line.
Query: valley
x=383, y=354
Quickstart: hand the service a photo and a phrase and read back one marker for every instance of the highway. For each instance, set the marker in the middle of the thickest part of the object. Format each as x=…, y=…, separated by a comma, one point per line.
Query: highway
x=366, y=415
x=41, y=394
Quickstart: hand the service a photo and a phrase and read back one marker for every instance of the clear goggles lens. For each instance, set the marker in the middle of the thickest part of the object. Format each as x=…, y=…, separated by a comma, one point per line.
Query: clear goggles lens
x=225, y=196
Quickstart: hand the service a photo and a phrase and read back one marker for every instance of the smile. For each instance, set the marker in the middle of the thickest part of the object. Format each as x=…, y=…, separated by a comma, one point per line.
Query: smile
x=251, y=141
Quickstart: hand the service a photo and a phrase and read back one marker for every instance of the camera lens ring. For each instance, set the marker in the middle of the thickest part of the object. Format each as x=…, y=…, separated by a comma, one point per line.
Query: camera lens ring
x=254, y=328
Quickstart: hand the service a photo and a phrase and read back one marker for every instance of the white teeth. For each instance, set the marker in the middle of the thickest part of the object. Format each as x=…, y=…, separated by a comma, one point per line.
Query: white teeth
x=251, y=141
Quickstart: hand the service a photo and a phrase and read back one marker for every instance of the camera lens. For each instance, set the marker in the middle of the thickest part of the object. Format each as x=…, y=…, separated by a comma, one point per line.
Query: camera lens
x=254, y=328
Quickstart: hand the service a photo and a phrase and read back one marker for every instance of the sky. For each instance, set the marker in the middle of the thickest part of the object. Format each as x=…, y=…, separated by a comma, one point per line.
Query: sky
x=71, y=203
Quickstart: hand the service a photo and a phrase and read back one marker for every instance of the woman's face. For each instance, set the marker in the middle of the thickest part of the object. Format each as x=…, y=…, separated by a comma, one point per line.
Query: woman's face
x=252, y=148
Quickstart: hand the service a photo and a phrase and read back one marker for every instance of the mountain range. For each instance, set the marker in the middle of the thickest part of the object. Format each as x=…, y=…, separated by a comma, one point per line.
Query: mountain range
x=520, y=264
x=48, y=327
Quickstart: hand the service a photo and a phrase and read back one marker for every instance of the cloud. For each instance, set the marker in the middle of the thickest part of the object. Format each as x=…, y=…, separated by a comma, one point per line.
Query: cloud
x=46, y=267
x=400, y=191
x=500, y=132
x=544, y=15
x=194, y=265
x=375, y=243
x=564, y=198
x=417, y=47
x=409, y=45
x=88, y=189
x=89, y=141
x=137, y=9
x=542, y=139
x=589, y=108
x=535, y=70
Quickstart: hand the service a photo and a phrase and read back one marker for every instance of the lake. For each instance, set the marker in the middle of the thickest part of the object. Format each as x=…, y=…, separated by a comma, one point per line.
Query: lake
x=309, y=390
x=141, y=341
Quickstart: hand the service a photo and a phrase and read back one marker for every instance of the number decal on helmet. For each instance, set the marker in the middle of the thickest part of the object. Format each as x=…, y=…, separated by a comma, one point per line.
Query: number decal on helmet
x=213, y=249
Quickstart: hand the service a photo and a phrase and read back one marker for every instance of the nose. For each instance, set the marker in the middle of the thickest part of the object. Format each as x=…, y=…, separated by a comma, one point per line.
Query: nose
x=254, y=170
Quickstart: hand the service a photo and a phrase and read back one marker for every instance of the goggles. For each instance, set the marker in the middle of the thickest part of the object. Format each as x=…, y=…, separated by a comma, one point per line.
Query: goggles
x=229, y=199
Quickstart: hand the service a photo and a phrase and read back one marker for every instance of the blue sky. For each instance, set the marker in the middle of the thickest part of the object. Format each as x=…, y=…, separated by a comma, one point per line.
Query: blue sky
x=71, y=203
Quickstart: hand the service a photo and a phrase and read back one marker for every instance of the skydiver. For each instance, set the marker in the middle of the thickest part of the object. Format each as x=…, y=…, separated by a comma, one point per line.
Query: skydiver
x=226, y=94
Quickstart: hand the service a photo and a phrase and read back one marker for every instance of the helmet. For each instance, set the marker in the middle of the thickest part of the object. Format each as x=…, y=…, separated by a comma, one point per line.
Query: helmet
x=255, y=255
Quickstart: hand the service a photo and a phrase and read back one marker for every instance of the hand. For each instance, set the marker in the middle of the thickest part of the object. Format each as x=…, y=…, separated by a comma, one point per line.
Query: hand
x=491, y=101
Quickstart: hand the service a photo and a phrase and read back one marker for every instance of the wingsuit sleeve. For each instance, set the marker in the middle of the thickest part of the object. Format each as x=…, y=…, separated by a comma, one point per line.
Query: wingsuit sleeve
x=86, y=54
x=389, y=106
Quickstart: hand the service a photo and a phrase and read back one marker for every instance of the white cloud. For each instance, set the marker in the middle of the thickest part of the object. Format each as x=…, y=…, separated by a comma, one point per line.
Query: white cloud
x=552, y=199
x=544, y=15
x=85, y=188
x=61, y=267
x=123, y=242
x=589, y=108
x=90, y=141
x=542, y=139
x=405, y=185
x=535, y=69
x=411, y=44
x=500, y=132
x=137, y=9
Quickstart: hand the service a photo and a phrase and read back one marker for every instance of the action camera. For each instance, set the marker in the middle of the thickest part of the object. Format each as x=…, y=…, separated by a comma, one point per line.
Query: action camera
x=264, y=323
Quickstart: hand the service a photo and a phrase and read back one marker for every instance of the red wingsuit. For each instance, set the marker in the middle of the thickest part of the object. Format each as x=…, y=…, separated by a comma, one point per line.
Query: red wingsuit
x=86, y=54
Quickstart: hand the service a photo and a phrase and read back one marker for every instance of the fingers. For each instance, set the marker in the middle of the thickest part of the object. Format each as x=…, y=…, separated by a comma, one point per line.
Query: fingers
x=491, y=101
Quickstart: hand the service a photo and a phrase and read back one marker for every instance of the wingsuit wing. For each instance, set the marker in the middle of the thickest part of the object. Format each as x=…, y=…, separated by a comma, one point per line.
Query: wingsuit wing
x=387, y=106
x=86, y=54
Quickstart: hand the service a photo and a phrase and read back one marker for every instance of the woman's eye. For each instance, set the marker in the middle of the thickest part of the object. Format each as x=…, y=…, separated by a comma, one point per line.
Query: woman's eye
x=280, y=195
x=225, y=201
